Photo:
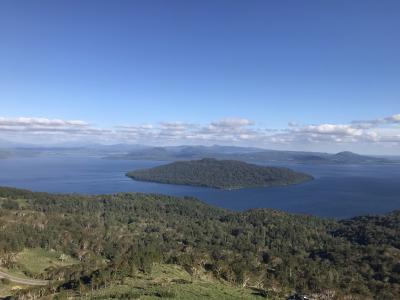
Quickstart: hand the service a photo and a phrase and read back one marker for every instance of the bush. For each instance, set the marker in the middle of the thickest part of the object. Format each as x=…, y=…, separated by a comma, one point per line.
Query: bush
x=5, y=281
x=165, y=294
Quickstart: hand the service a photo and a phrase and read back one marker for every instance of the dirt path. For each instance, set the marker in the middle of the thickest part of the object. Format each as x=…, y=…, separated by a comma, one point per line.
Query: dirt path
x=22, y=280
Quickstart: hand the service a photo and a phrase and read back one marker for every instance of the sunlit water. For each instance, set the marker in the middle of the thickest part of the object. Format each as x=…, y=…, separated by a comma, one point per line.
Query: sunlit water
x=337, y=191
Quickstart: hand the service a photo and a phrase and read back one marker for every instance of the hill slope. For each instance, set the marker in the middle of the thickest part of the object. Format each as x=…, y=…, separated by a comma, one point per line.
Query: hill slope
x=129, y=246
x=347, y=157
x=223, y=174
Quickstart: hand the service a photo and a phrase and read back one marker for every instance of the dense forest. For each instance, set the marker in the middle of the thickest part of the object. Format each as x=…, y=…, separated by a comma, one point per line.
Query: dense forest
x=114, y=237
x=223, y=174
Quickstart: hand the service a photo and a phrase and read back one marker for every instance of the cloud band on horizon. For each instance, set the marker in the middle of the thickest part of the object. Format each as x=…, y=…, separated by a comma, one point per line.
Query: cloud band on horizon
x=383, y=132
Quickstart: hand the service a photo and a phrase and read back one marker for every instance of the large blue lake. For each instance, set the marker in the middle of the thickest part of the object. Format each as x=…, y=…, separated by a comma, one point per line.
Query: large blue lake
x=337, y=191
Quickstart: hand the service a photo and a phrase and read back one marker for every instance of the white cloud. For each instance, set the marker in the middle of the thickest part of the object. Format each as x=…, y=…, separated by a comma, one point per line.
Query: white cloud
x=27, y=129
x=232, y=123
x=332, y=129
x=393, y=119
x=388, y=121
x=241, y=131
x=376, y=131
x=40, y=122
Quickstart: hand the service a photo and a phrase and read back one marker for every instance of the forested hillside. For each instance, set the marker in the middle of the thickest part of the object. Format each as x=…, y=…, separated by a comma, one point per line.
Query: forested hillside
x=223, y=174
x=110, y=244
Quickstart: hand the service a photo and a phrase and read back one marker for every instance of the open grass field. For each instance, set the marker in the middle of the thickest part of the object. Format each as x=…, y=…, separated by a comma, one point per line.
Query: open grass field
x=173, y=282
x=29, y=263
x=35, y=261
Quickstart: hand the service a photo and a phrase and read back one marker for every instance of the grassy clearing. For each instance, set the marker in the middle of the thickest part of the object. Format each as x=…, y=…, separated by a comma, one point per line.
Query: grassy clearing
x=31, y=262
x=15, y=272
x=22, y=203
x=173, y=282
x=35, y=261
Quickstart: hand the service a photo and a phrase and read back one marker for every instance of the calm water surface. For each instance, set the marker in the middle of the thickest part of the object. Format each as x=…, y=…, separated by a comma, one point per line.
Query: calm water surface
x=337, y=191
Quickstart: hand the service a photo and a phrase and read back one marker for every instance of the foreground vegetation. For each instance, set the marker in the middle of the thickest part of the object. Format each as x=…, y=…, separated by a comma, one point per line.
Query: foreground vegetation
x=223, y=174
x=128, y=246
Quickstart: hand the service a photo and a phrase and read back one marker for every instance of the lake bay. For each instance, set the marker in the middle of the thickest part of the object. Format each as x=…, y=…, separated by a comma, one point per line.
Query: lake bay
x=338, y=191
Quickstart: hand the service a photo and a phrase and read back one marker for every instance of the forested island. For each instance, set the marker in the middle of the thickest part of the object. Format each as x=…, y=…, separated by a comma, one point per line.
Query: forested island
x=222, y=174
x=131, y=246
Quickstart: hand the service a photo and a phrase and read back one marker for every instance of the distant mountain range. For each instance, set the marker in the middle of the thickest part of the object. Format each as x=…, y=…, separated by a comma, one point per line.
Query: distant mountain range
x=247, y=154
x=174, y=153
x=8, y=150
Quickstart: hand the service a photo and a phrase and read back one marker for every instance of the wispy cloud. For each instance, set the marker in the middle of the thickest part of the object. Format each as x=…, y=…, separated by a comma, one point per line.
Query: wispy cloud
x=381, y=131
x=33, y=130
x=39, y=123
x=395, y=119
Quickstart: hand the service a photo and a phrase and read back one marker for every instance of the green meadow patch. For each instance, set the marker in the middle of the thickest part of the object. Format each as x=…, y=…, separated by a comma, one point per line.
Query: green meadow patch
x=35, y=261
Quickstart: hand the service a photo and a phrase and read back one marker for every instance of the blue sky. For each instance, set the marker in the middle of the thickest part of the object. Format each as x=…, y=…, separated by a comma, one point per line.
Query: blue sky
x=198, y=63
